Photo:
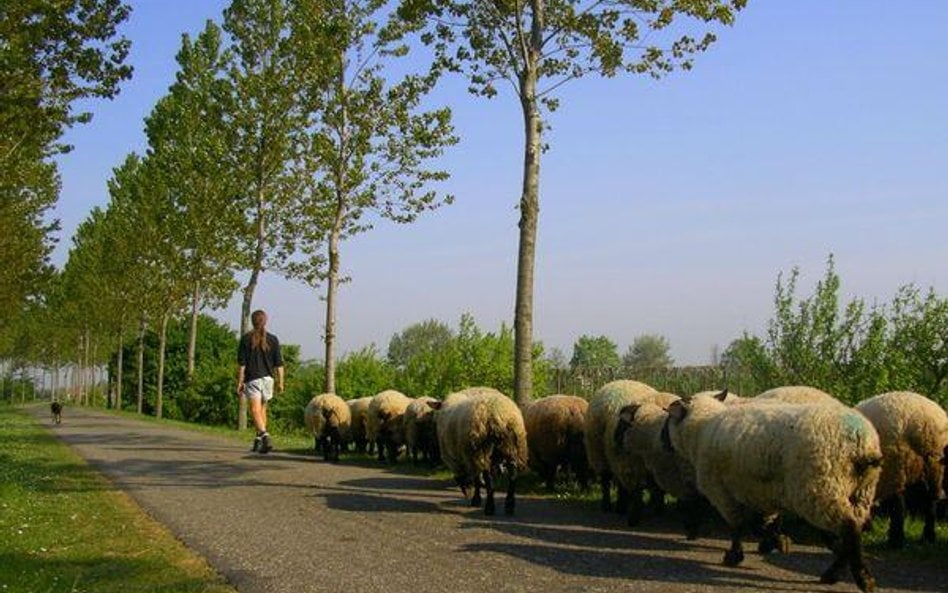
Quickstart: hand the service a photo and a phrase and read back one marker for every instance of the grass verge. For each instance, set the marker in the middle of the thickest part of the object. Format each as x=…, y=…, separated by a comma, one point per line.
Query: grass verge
x=65, y=529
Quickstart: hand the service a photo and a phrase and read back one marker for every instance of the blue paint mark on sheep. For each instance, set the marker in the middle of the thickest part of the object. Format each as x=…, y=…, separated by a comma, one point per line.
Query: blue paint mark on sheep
x=856, y=424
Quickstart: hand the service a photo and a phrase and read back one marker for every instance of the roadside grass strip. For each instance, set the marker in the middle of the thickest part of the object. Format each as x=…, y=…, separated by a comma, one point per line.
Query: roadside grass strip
x=66, y=529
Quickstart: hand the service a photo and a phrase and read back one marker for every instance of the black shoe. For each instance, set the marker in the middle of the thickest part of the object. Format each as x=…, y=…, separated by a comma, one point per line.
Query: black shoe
x=266, y=445
x=256, y=444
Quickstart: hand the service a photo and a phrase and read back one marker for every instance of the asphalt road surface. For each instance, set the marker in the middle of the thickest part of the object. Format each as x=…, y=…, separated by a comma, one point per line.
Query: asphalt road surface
x=287, y=523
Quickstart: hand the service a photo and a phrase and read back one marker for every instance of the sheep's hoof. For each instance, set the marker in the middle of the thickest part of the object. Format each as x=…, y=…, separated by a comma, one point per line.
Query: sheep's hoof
x=865, y=581
x=830, y=577
x=733, y=557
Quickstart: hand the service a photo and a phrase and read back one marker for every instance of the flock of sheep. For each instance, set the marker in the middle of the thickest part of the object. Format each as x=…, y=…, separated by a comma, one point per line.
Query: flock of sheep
x=791, y=450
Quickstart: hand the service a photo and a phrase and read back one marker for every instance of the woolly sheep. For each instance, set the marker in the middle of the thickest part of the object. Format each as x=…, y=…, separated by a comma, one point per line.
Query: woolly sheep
x=420, y=436
x=57, y=410
x=359, y=410
x=819, y=462
x=604, y=457
x=639, y=433
x=328, y=418
x=793, y=394
x=385, y=423
x=914, y=434
x=555, y=427
x=481, y=432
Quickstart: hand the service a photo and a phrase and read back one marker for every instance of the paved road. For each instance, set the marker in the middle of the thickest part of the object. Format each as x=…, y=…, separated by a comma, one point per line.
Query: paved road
x=284, y=523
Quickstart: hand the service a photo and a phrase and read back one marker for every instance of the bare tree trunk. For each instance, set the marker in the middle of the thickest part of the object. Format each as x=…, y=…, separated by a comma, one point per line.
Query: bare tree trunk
x=141, y=364
x=94, y=371
x=332, y=284
x=162, y=340
x=192, y=337
x=529, y=213
x=249, y=290
x=119, y=364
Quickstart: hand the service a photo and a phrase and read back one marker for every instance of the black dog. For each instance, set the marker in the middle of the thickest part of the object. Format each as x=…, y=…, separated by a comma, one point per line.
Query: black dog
x=57, y=409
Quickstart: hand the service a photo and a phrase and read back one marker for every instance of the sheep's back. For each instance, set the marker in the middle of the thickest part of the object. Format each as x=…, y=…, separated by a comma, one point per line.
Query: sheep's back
x=552, y=423
x=913, y=431
x=605, y=405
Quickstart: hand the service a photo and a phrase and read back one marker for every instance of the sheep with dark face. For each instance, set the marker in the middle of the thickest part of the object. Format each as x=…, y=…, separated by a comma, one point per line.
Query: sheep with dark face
x=604, y=456
x=821, y=462
x=420, y=436
x=914, y=434
x=480, y=434
x=328, y=419
x=555, y=427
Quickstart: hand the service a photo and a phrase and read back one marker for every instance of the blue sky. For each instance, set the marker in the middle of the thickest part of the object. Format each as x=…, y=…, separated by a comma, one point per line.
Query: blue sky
x=667, y=206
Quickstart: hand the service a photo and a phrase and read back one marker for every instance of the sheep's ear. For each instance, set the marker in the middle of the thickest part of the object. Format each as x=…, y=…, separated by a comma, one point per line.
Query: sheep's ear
x=627, y=414
x=434, y=405
x=721, y=396
x=677, y=411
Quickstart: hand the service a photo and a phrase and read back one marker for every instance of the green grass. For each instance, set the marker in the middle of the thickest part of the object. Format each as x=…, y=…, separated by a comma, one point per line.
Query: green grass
x=66, y=529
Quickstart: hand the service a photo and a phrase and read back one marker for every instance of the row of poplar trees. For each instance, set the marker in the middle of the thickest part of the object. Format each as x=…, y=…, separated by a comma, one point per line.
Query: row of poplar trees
x=287, y=131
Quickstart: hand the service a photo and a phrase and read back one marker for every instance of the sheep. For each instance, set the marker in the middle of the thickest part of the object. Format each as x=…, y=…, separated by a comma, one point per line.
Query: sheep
x=385, y=423
x=328, y=418
x=793, y=394
x=640, y=432
x=420, y=436
x=359, y=410
x=604, y=457
x=914, y=434
x=57, y=410
x=481, y=433
x=820, y=462
x=555, y=427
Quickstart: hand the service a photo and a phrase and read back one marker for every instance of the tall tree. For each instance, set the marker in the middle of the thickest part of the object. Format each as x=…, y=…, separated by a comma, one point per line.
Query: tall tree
x=537, y=46
x=52, y=55
x=370, y=145
x=647, y=354
x=267, y=74
x=190, y=143
x=594, y=353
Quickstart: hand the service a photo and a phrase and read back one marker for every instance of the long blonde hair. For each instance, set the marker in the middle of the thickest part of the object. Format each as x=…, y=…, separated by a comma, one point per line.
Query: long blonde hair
x=258, y=339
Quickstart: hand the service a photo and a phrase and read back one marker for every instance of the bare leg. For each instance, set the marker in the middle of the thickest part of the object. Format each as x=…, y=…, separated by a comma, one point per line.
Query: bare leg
x=489, y=508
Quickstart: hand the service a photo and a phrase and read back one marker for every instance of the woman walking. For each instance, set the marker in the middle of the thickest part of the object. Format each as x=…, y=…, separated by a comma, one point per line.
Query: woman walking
x=258, y=360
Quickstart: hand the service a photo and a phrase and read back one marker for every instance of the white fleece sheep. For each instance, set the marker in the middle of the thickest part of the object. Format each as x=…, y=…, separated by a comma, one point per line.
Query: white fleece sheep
x=385, y=423
x=481, y=433
x=555, y=426
x=641, y=433
x=914, y=433
x=820, y=462
x=793, y=394
x=328, y=419
x=359, y=410
x=604, y=456
x=420, y=436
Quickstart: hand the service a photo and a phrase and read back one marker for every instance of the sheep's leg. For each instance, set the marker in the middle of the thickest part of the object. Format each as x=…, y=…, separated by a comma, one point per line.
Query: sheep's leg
x=476, y=499
x=692, y=509
x=633, y=501
x=656, y=497
x=316, y=445
x=772, y=538
x=392, y=452
x=849, y=551
x=622, y=499
x=897, y=522
x=931, y=507
x=605, y=480
x=511, y=500
x=549, y=479
x=735, y=555
x=380, y=447
x=489, y=508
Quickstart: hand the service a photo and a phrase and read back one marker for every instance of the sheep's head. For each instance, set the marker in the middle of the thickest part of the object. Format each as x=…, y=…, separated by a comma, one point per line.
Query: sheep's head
x=626, y=419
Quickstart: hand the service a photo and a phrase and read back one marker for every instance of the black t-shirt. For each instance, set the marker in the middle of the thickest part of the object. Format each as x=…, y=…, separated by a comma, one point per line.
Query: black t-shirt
x=255, y=361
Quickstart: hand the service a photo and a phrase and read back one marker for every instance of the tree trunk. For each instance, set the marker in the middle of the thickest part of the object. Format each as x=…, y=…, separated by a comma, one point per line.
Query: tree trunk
x=141, y=364
x=119, y=363
x=529, y=213
x=332, y=283
x=192, y=336
x=257, y=267
x=78, y=375
x=162, y=339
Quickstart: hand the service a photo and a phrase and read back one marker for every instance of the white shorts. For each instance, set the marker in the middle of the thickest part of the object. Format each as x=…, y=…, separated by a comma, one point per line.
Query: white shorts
x=259, y=388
